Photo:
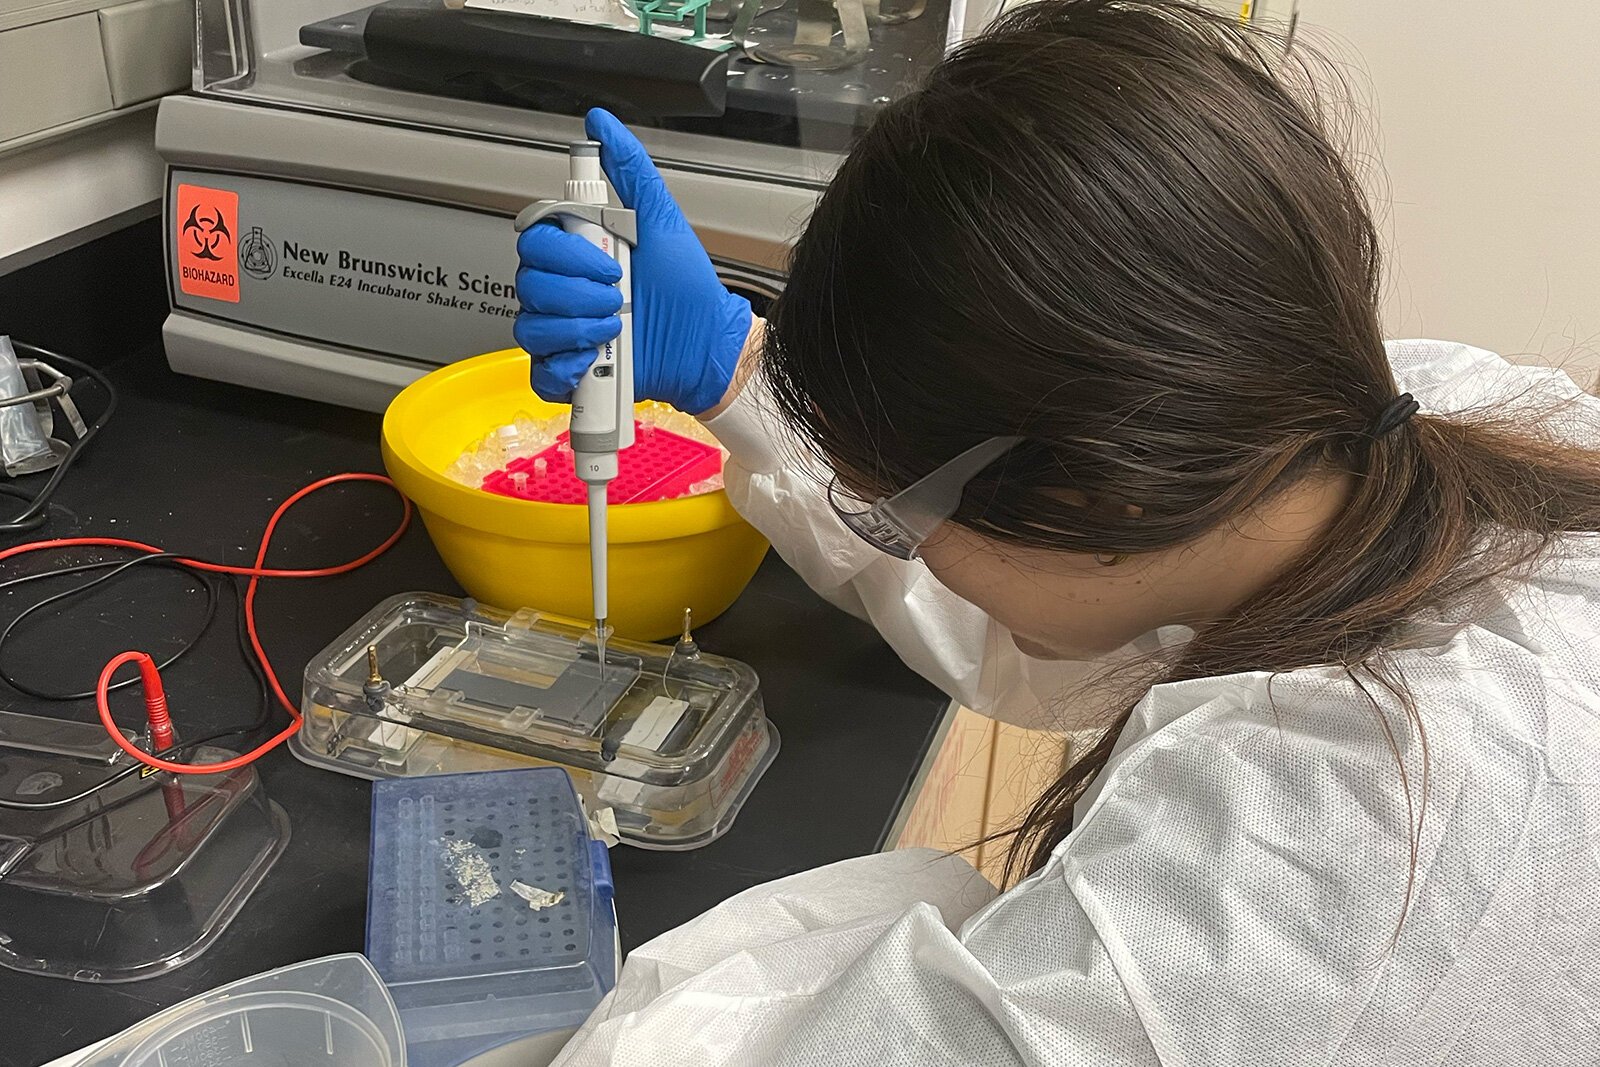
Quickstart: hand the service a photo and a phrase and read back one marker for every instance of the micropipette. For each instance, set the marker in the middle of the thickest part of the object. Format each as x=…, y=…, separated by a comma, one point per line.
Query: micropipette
x=602, y=403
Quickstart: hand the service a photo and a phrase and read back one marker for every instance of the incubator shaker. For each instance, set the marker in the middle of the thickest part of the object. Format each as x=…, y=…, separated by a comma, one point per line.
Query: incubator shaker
x=342, y=179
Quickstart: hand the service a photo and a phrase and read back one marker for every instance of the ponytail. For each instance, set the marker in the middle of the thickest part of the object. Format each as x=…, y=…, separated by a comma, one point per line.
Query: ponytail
x=1445, y=510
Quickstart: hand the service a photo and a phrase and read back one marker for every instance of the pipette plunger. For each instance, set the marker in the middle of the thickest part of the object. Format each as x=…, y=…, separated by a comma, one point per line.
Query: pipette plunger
x=602, y=402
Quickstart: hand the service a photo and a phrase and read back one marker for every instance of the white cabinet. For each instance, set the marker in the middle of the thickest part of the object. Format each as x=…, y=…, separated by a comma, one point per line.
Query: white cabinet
x=66, y=64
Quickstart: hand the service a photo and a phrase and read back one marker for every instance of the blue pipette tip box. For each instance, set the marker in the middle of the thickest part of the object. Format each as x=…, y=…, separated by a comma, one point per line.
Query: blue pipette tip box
x=463, y=923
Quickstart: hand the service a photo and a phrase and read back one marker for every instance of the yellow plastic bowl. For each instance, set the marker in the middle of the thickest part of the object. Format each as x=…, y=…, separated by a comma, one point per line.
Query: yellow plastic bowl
x=694, y=552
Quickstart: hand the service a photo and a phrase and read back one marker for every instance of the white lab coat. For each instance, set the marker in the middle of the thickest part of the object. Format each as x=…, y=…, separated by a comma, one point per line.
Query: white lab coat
x=1232, y=889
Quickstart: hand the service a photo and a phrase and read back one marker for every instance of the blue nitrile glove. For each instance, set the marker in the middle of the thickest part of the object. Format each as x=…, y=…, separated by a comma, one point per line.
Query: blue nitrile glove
x=688, y=330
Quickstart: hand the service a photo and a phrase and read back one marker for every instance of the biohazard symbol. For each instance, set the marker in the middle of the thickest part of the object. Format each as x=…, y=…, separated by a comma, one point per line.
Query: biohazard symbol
x=206, y=233
x=205, y=222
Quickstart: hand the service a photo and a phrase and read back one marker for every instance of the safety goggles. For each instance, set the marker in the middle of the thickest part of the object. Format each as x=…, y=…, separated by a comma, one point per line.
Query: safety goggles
x=901, y=523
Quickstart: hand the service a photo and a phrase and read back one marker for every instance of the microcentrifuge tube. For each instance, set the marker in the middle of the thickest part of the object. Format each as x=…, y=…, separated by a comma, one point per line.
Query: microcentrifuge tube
x=519, y=481
x=510, y=442
x=541, y=467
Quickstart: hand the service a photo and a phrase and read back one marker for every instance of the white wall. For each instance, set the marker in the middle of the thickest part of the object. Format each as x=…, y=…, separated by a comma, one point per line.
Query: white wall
x=1487, y=117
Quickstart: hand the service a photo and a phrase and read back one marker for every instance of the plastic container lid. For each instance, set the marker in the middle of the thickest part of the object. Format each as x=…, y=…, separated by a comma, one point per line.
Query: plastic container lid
x=488, y=909
x=133, y=878
x=328, y=1011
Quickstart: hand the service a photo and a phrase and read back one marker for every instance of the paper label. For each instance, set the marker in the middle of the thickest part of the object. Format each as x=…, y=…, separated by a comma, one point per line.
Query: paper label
x=587, y=12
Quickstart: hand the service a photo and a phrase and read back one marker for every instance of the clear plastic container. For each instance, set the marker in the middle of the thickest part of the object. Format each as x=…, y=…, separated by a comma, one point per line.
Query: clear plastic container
x=488, y=910
x=793, y=84
x=134, y=879
x=672, y=743
x=332, y=1011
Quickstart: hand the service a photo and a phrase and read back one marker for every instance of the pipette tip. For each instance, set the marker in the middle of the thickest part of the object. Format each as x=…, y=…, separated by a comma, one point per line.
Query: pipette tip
x=600, y=643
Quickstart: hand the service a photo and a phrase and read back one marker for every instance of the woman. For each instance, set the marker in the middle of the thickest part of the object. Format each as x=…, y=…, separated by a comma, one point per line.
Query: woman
x=1106, y=276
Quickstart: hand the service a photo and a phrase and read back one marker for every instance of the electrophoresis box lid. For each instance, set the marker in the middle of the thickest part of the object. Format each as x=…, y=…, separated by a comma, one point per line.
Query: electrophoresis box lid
x=111, y=873
x=672, y=742
x=488, y=909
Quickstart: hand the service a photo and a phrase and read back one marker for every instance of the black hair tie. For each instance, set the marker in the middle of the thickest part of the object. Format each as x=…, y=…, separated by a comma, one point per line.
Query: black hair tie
x=1397, y=413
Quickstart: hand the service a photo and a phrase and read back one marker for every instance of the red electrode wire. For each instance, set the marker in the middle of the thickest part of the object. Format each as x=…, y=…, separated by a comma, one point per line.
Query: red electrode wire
x=155, y=696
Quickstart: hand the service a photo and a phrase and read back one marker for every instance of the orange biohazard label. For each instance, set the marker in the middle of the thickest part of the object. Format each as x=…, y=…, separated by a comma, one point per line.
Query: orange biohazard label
x=207, y=222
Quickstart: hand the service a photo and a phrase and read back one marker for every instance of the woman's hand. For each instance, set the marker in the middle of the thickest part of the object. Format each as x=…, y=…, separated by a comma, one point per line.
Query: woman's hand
x=688, y=330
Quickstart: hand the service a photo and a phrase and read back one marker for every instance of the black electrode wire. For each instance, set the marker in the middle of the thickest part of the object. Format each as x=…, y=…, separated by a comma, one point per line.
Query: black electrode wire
x=117, y=568
x=263, y=713
x=37, y=510
x=34, y=515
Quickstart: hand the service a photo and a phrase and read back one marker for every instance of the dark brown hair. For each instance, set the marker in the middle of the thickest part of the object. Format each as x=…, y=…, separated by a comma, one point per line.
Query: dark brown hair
x=1121, y=230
